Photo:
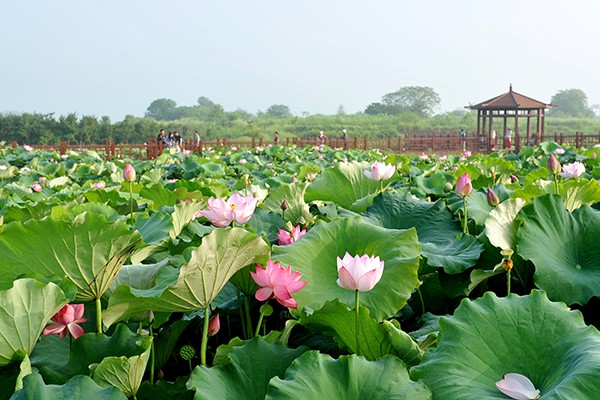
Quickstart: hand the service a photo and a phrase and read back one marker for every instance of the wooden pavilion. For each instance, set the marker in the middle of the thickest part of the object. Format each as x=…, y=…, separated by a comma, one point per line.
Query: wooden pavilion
x=510, y=105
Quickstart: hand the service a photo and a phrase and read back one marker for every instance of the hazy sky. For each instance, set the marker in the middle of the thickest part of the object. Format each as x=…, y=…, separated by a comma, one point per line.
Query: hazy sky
x=114, y=57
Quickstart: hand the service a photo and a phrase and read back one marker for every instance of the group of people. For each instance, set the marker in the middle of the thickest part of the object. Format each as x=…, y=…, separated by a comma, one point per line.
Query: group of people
x=175, y=140
x=507, y=138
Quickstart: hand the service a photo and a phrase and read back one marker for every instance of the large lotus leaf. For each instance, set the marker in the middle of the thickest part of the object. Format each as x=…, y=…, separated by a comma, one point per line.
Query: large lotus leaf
x=529, y=335
x=89, y=251
x=221, y=254
x=11, y=376
x=154, y=228
x=434, y=184
x=477, y=206
x=319, y=376
x=578, y=192
x=77, y=388
x=243, y=377
x=439, y=234
x=183, y=214
x=315, y=257
x=212, y=170
x=293, y=194
x=563, y=247
x=92, y=348
x=501, y=225
x=346, y=184
x=267, y=223
x=376, y=339
x=160, y=196
x=125, y=373
x=25, y=309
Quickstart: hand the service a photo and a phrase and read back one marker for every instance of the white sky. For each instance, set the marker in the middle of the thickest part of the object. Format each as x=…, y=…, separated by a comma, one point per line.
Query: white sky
x=114, y=57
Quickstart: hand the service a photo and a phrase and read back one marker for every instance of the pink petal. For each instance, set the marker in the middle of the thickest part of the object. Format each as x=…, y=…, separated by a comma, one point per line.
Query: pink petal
x=77, y=311
x=75, y=330
x=289, y=303
x=368, y=281
x=54, y=329
x=284, y=238
x=295, y=286
x=260, y=277
x=518, y=387
x=263, y=293
x=346, y=280
x=281, y=293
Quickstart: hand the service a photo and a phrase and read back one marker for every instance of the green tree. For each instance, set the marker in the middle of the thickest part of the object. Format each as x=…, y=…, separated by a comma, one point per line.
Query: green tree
x=162, y=109
x=420, y=100
x=278, y=111
x=570, y=103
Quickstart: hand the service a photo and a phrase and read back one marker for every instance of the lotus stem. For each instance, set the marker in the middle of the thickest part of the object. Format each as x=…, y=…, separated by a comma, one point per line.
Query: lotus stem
x=357, y=308
x=556, y=183
x=241, y=312
x=465, y=218
x=204, y=338
x=422, y=301
x=98, y=315
x=260, y=320
x=131, y=203
x=380, y=186
x=248, y=317
x=508, y=282
x=152, y=353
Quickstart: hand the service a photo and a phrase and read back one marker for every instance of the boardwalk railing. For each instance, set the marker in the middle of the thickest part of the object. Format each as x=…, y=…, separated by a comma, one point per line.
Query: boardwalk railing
x=446, y=142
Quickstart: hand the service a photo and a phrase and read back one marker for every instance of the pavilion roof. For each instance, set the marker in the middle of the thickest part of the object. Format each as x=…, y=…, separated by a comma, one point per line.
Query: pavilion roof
x=510, y=101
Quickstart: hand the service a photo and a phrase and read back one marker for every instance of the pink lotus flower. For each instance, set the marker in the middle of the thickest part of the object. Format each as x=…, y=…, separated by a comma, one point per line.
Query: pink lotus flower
x=129, y=173
x=359, y=273
x=99, y=185
x=463, y=186
x=517, y=386
x=67, y=320
x=443, y=158
x=467, y=154
x=492, y=198
x=424, y=156
x=284, y=237
x=277, y=282
x=222, y=213
x=380, y=171
x=36, y=187
x=553, y=165
x=560, y=150
x=573, y=170
x=214, y=325
x=42, y=179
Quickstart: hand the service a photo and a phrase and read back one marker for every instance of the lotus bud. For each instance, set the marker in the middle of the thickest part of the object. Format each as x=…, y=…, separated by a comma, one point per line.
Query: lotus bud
x=463, y=186
x=214, y=324
x=246, y=178
x=492, y=198
x=553, y=165
x=514, y=179
x=284, y=205
x=129, y=173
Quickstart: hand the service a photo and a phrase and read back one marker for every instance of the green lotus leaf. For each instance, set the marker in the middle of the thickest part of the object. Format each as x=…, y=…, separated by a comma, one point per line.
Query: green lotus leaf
x=124, y=373
x=434, y=184
x=77, y=388
x=92, y=348
x=88, y=250
x=293, y=194
x=267, y=223
x=578, y=192
x=347, y=185
x=25, y=309
x=211, y=170
x=154, y=228
x=11, y=376
x=319, y=376
x=243, y=377
x=161, y=196
x=376, y=339
x=220, y=255
x=501, y=225
x=529, y=335
x=315, y=257
x=183, y=214
x=563, y=247
x=477, y=206
x=439, y=234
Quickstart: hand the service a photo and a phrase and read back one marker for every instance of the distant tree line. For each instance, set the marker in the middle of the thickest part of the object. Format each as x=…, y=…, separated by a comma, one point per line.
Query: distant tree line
x=408, y=108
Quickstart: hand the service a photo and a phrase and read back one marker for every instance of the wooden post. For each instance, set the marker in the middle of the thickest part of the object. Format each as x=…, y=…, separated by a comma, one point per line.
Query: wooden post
x=517, y=142
x=366, y=143
x=63, y=147
x=107, y=150
x=253, y=142
x=261, y=142
x=355, y=142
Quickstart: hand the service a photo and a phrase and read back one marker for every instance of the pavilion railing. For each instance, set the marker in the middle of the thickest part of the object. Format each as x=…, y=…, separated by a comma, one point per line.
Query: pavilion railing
x=416, y=142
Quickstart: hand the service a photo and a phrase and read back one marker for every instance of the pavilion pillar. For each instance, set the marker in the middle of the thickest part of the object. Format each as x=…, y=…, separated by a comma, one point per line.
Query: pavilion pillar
x=517, y=124
x=529, y=125
x=478, y=122
x=491, y=127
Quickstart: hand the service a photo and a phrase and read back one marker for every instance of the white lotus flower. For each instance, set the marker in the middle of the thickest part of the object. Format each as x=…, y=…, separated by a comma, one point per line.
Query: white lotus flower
x=517, y=386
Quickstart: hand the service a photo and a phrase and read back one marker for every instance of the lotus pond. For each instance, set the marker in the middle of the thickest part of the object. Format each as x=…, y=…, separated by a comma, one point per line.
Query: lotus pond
x=300, y=273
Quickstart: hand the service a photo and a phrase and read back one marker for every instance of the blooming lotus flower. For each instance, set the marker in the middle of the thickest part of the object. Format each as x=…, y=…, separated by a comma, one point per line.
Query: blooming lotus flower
x=573, y=170
x=67, y=320
x=36, y=187
x=27, y=147
x=443, y=158
x=492, y=198
x=214, y=324
x=560, y=150
x=359, y=272
x=517, y=386
x=284, y=237
x=99, y=185
x=424, y=156
x=463, y=186
x=243, y=161
x=222, y=213
x=42, y=179
x=277, y=282
x=380, y=171
x=129, y=173
x=467, y=154
x=553, y=165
